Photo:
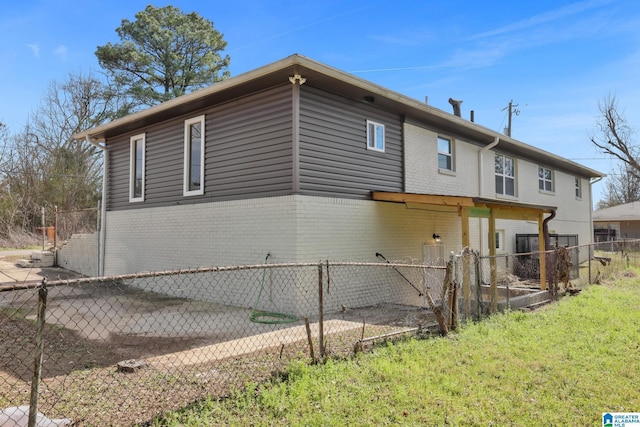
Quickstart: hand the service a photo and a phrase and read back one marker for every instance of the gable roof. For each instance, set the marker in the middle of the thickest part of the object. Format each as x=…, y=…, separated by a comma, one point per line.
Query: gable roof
x=626, y=212
x=331, y=79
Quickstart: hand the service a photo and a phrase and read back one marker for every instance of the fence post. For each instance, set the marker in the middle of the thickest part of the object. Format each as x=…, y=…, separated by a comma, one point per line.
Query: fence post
x=437, y=311
x=555, y=263
x=37, y=370
x=589, y=262
x=320, y=314
x=476, y=260
x=466, y=282
x=44, y=230
x=55, y=235
x=453, y=295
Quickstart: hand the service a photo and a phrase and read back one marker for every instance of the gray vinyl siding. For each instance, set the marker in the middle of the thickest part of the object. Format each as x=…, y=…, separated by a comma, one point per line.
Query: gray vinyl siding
x=334, y=160
x=248, y=153
x=118, y=173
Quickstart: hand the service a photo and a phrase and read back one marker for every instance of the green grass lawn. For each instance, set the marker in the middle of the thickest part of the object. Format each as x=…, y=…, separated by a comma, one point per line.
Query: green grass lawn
x=561, y=366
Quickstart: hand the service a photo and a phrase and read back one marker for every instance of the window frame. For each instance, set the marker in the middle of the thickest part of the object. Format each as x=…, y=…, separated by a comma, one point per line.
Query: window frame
x=187, y=191
x=505, y=177
x=133, y=198
x=450, y=154
x=543, y=180
x=500, y=240
x=578, y=187
x=375, y=135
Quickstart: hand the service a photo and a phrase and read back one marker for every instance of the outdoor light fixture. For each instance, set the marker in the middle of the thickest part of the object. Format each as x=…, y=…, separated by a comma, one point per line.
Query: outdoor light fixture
x=436, y=237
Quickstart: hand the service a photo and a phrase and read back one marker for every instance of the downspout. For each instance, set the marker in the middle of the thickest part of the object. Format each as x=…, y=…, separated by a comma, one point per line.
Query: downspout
x=592, y=237
x=598, y=179
x=545, y=229
x=103, y=205
x=481, y=177
x=547, y=243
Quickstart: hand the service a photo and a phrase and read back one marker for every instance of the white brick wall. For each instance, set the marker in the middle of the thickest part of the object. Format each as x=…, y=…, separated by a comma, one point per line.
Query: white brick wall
x=207, y=234
x=291, y=228
x=421, y=165
x=422, y=176
x=80, y=254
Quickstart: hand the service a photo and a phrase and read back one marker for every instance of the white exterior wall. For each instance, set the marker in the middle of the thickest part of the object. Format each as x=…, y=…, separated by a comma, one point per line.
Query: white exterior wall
x=80, y=254
x=200, y=235
x=470, y=179
x=291, y=228
x=421, y=164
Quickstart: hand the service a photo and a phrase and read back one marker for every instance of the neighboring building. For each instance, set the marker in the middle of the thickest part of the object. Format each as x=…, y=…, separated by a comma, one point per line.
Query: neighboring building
x=617, y=222
x=306, y=162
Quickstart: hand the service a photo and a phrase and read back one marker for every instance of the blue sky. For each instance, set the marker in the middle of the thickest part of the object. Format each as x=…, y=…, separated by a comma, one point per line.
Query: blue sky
x=555, y=59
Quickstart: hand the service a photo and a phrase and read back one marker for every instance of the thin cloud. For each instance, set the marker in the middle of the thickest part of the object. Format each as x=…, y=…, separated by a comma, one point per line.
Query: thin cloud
x=460, y=60
x=61, y=51
x=411, y=39
x=543, y=18
x=303, y=27
x=35, y=49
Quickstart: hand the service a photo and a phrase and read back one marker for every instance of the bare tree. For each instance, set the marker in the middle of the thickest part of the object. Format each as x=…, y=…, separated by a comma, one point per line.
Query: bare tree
x=21, y=177
x=622, y=186
x=74, y=168
x=615, y=137
x=43, y=165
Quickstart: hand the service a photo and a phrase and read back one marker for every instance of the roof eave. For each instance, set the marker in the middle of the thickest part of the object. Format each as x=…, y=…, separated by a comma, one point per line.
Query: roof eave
x=357, y=87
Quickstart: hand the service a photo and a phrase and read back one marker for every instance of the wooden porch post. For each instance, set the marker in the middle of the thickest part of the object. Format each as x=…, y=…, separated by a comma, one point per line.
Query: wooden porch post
x=492, y=261
x=466, y=271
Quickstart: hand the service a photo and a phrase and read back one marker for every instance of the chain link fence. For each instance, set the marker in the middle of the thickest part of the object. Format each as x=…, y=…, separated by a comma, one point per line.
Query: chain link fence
x=122, y=350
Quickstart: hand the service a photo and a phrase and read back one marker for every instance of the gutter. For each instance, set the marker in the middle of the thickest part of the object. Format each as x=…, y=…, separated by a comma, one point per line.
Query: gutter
x=103, y=205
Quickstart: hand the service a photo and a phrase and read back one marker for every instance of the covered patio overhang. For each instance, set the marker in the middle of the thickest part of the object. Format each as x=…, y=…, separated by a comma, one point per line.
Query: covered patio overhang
x=491, y=209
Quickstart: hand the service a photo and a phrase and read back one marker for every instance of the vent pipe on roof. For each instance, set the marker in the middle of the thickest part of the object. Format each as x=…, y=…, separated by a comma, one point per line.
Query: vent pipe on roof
x=456, y=106
x=472, y=116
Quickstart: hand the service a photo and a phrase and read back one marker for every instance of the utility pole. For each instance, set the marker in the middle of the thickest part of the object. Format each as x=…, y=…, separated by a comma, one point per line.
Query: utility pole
x=512, y=110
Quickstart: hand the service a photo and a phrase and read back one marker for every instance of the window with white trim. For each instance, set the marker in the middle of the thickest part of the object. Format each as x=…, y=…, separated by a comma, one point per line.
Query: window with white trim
x=545, y=179
x=505, y=175
x=578, y=188
x=136, y=168
x=375, y=136
x=194, y=156
x=445, y=153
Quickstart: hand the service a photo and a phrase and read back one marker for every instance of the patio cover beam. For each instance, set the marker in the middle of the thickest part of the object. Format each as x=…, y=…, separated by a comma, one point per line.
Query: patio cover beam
x=492, y=209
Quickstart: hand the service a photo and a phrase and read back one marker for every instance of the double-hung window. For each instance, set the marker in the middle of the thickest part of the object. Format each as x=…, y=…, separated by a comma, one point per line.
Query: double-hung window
x=375, y=136
x=505, y=175
x=545, y=179
x=194, y=156
x=136, y=168
x=445, y=154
